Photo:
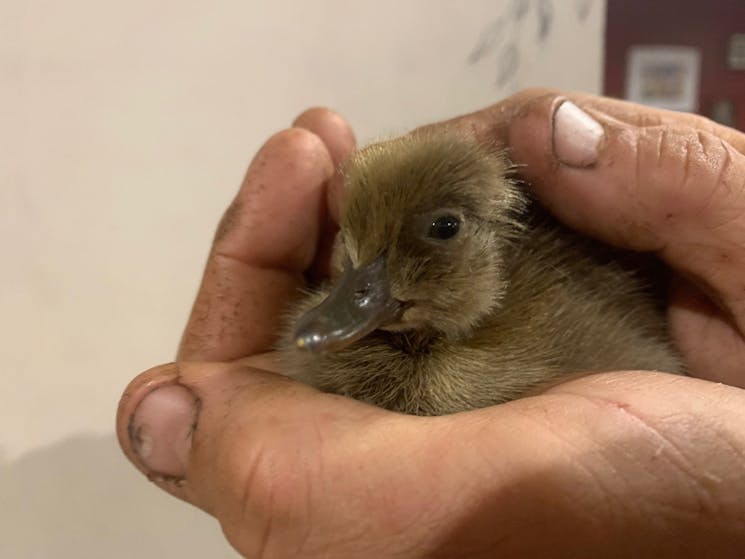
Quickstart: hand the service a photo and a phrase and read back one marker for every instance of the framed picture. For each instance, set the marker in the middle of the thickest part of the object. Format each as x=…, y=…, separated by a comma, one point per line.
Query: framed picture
x=664, y=76
x=736, y=52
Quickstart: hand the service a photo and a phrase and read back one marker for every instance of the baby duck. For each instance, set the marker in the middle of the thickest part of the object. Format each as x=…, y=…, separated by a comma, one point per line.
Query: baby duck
x=454, y=290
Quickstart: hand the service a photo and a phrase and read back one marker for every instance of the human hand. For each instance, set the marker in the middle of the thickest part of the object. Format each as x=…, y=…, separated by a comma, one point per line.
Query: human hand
x=619, y=464
x=663, y=182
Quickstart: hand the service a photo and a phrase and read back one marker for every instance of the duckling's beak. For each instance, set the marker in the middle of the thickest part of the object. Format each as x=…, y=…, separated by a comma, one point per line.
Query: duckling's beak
x=359, y=302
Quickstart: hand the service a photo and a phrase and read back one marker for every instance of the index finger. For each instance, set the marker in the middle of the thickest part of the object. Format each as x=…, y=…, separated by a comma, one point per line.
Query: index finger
x=265, y=241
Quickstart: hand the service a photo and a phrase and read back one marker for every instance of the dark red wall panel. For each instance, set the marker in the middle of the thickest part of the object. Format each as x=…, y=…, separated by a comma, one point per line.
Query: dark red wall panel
x=706, y=25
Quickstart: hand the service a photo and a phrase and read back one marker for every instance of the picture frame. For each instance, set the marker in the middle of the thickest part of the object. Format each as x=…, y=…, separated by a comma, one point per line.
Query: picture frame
x=666, y=77
x=736, y=52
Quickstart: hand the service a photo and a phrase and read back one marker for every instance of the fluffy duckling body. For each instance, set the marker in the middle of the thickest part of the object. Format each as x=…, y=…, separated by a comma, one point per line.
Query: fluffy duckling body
x=455, y=291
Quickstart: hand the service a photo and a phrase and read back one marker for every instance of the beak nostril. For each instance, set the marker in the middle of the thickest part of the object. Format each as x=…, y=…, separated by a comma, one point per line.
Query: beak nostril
x=361, y=293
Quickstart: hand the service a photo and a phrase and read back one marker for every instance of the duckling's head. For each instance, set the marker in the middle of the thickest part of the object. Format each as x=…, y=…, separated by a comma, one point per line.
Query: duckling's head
x=423, y=228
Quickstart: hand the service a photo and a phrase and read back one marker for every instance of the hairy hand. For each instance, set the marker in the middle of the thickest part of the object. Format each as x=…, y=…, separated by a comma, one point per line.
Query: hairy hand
x=627, y=464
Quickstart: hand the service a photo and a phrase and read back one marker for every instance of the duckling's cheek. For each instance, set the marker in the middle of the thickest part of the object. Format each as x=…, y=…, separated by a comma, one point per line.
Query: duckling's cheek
x=413, y=317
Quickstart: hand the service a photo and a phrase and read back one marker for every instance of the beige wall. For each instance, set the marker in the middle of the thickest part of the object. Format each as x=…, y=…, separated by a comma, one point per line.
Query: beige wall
x=125, y=128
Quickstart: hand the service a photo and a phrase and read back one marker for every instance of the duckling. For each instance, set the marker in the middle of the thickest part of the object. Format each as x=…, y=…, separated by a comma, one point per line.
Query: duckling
x=455, y=290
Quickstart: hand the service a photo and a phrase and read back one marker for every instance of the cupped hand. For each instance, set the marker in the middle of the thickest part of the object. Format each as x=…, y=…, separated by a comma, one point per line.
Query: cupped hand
x=628, y=464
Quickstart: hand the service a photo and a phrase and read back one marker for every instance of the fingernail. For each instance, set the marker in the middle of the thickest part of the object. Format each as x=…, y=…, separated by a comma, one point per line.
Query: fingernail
x=161, y=428
x=576, y=136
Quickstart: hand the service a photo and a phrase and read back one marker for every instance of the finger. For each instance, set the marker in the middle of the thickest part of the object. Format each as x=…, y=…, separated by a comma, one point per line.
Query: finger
x=710, y=341
x=264, y=243
x=332, y=128
x=494, y=122
x=644, y=116
x=337, y=134
x=250, y=448
x=292, y=472
x=676, y=191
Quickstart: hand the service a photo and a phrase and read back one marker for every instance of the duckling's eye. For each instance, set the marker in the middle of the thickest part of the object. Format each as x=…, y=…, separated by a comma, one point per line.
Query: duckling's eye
x=444, y=227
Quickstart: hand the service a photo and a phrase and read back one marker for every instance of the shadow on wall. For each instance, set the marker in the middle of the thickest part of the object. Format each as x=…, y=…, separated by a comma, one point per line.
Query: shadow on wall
x=81, y=498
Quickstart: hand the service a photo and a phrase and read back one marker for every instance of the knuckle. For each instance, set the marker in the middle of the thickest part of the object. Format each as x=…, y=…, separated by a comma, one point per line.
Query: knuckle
x=679, y=170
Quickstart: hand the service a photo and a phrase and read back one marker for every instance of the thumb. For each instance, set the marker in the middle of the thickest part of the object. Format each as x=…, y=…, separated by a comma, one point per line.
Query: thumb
x=277, y=463
x=290, y=472
x=675, y=188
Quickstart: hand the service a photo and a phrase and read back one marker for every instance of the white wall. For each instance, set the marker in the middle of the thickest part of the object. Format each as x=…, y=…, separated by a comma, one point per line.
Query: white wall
x=125, y=128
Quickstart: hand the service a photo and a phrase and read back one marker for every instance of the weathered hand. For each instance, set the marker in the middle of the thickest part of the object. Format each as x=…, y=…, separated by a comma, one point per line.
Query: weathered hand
x=627, y=464
x=661, y=181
